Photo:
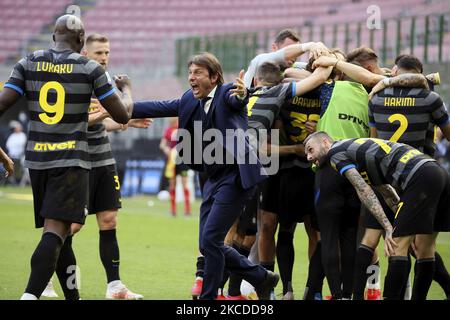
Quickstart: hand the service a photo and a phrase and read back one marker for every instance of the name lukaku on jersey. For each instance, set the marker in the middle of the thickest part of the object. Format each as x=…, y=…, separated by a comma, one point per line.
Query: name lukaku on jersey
x=399, y=102
x=54, y=68
x=47, y=146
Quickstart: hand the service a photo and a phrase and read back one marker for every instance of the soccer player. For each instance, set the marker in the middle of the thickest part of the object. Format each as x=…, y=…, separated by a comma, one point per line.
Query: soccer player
x=285, y=50
x=58, y=84
x=265, y=103
x=344, y=114
x=104, y=186
x=369, y=61
x=422, y=210
x=298, y=116
x=409, y=119
x=172, y=170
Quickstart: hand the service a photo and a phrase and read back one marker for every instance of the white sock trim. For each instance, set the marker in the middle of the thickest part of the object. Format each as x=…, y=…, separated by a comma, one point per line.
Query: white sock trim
x=28, y=296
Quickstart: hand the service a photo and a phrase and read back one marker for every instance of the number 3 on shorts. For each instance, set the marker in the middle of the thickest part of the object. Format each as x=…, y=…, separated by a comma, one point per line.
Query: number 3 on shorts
x=116, y=180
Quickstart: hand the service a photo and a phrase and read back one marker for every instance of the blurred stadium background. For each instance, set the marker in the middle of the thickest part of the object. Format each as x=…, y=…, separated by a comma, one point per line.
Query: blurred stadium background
x=151, y=41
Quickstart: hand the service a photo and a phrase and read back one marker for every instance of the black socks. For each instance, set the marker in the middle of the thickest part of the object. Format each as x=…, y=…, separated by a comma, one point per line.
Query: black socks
x=109, y=254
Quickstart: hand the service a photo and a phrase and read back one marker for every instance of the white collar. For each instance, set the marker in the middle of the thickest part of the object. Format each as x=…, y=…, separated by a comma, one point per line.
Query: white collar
x=212, y=93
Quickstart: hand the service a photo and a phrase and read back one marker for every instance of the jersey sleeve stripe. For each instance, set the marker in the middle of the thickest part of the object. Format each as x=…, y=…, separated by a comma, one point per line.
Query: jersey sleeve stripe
x=347, y=167
x=107, y=94
x=442, y=123
x=14, y=87
x=294, y=89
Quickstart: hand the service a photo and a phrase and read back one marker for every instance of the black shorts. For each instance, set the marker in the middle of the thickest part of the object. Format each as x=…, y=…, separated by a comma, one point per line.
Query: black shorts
x=424, y=205
x=270, y=190
x=296, y=196
x=60, y=194
x=104, y=189
x=181, y=170
x=247, y=221
x=336, y=200
x=369, y=221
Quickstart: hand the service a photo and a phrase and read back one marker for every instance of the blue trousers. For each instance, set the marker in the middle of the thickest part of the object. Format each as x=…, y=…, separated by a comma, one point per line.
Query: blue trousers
x=223, y=201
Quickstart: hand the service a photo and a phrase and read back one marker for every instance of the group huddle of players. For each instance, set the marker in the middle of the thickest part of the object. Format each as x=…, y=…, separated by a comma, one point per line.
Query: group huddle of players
x=345, y=96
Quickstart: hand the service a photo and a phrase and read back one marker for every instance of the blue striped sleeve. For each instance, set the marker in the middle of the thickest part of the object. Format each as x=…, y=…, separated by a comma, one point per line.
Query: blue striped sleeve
x=14, y=87
x=294, y=89
x=107, y=94
x=347, y=167
x=443, y=123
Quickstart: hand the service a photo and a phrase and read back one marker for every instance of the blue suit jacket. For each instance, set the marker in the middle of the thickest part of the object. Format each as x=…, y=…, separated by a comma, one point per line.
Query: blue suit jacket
x=226, y=112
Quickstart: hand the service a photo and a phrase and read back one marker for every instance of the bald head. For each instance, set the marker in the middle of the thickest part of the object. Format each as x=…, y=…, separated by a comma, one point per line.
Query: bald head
x=69, y=32
x=317, y=146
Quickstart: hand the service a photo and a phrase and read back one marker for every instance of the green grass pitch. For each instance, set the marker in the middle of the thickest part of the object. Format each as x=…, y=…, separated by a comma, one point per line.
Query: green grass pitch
x=157, y=252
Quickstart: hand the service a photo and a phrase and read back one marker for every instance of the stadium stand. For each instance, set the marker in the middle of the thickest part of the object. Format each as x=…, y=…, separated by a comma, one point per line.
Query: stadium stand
x=143, y=32
x=22, y=19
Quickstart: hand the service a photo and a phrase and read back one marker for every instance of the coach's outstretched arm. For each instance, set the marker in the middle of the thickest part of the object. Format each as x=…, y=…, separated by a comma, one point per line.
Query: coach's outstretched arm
x=156, y=109
x=370, y=200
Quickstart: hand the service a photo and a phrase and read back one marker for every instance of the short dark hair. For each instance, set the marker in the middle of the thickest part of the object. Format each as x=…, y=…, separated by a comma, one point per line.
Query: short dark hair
x=210, y=62
x=362, y=54
x=333, y=51
x=409, y=62
x=318, y=135
x=270, y=73
x=97, y=37
x=286, y=33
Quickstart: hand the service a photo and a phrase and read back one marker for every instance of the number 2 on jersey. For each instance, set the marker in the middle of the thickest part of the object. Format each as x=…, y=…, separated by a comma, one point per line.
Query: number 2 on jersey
x=57, y=108
x=403, y=126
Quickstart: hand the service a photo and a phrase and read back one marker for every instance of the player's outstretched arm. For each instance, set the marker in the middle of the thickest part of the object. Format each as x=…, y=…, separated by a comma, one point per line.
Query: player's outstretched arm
x=409, y=80
x=446, y=130
x=111, y=125
x=319, y=76
x=7, y=99
x=316, y=49
x=7, y=163
x=357, y=73
x=370, y=200
x=116, y=109
x=293, y=74
x=123, y=83
x=96, y=112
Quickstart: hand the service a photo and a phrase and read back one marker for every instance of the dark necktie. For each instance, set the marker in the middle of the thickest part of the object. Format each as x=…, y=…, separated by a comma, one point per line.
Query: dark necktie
x=203, y=102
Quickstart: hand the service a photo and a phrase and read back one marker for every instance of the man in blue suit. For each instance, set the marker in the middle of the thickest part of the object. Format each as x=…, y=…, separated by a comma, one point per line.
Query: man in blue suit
x=210, y=104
